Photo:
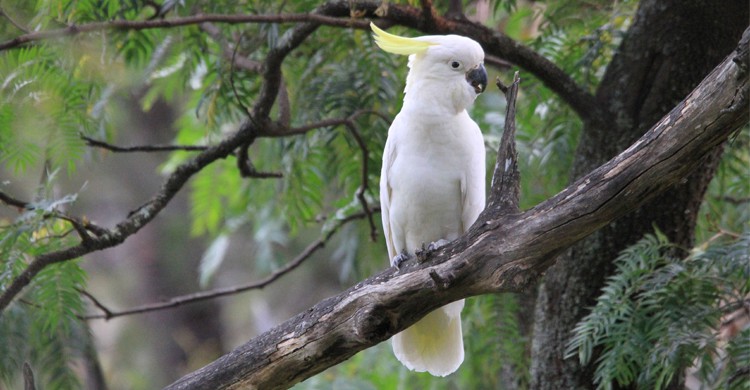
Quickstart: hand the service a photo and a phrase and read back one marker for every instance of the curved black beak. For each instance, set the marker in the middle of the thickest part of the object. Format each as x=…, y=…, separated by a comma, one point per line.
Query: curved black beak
x=477, y=77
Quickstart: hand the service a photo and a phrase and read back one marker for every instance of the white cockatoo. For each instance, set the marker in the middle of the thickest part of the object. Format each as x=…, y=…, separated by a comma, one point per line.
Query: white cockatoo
x=432, y=184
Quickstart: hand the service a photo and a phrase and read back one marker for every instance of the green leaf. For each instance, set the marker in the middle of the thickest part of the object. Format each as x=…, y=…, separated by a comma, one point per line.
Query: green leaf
x=658, y=314
x=212, y=259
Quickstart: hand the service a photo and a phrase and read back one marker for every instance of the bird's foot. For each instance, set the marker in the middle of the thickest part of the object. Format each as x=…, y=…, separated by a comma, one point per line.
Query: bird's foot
x=435, y=245
x=400, y=258
x=424, y=252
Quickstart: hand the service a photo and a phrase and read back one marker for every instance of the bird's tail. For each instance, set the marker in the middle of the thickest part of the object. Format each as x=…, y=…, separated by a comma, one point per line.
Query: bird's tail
x=435, y=343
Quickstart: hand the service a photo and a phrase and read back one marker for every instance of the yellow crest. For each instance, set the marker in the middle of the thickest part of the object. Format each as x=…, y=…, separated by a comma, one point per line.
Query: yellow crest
x=398, y=45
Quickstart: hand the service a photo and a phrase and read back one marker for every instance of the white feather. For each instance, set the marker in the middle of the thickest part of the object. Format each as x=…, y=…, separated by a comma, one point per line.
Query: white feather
x=433, y=184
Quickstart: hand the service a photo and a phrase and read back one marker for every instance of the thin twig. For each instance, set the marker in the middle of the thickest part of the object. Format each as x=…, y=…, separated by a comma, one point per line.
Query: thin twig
x=221, y=292
x=141, y=148
x=50, y=237
x=11, y=201
x=734, y=200
x=231, y=76
x=244, y=165
x=107, y=313
x=81, y=230
x=227, y=49
x=247, y=168
x=178, y=22
x=350, y=125
x=333, y=122
x=13, y=22
x=77, y=223
x=82, y=223
x=271, y=73
x=497, y=62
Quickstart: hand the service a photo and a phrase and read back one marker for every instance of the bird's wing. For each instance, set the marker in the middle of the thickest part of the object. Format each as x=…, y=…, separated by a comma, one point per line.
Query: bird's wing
x=389, y=155
x=473, y=185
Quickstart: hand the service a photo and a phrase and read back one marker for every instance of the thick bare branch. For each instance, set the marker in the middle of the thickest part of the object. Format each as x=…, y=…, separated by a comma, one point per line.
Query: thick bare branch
x=500, y=253
x=506, y=180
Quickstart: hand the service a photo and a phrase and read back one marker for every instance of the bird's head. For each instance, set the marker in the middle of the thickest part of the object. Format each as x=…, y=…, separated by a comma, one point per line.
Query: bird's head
x=439, y=65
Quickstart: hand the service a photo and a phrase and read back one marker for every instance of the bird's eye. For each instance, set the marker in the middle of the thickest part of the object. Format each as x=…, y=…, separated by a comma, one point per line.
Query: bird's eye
x=455, y=64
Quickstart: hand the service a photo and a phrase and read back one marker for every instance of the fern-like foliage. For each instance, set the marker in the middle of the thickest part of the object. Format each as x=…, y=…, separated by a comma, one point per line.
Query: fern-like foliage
x=41, y=327
x=322, y=169
x=659, y=314
x=45, y=93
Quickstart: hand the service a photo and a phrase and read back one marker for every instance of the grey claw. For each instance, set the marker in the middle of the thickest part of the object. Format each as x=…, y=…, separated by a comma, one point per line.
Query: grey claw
x=400, y=258
x=435, y=245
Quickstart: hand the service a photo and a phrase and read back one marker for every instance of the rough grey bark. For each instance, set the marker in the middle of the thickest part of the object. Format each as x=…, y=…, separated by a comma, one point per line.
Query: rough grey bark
x=500, y=253
x=670, y=47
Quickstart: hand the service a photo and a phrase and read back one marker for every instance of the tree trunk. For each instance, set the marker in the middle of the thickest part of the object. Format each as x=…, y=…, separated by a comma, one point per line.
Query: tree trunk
x=668, y=50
